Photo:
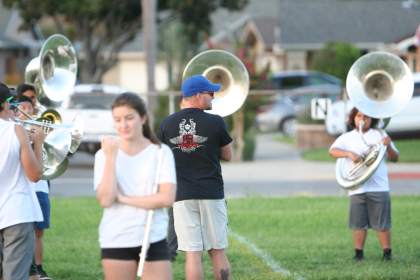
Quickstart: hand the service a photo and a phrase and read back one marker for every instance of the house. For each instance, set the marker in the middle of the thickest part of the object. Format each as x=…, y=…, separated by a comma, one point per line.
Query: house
x=17, y=47
x=287, y=33
x=131, y=73
x=282, y=33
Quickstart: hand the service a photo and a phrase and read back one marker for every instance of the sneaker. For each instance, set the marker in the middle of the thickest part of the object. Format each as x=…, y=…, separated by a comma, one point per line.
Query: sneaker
x=42, y=274
x=358, y=255
x=33, y=271
x=387, y=256
x=358, y=258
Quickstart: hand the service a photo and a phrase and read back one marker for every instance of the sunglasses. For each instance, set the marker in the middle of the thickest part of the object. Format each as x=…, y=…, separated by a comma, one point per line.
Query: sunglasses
x=211, y=93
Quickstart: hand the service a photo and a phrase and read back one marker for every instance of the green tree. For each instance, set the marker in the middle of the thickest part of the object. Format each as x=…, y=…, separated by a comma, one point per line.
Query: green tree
x=336, y=59
x=104, y=27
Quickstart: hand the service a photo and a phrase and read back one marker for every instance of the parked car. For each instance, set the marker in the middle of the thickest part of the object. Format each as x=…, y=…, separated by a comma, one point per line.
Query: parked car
x=92, y=103
x=287, y=80
x=405, y=123
x=281, y=115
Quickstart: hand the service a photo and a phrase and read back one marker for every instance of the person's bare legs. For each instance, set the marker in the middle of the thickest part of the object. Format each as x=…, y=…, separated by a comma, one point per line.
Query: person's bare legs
x=119, y=270
x=384, y=237
x=359, y=238
x=157, y=270
x=193, y=265
x=39, y=246
x=221, y=266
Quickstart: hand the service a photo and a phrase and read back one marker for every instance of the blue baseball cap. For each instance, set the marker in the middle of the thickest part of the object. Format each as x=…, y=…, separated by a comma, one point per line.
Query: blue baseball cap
x=196, y=84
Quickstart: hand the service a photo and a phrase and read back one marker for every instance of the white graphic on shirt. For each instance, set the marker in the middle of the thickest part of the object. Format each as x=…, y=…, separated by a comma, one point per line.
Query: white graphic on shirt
x=187, y=141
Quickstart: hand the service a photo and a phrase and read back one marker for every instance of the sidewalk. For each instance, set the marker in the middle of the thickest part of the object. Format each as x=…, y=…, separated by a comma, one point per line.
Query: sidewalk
x=277, y=170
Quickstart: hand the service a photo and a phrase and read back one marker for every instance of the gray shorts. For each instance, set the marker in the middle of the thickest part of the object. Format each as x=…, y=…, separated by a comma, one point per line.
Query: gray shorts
x=201, y=225
x=370, y=210
x=17, y=248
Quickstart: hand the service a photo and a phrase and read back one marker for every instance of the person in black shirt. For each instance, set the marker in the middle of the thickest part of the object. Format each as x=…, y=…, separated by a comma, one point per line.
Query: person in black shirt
x=199, y=141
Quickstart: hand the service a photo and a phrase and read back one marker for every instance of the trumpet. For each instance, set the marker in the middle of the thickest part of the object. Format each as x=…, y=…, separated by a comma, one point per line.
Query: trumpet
x=50, y=120
x=60, y=139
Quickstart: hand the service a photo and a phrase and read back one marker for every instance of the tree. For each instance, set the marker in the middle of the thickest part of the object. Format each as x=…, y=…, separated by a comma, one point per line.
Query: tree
x=104, y=27
x=336, y=58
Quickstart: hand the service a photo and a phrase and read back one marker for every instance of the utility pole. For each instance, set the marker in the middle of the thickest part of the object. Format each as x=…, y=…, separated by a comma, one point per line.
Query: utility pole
x=149, y=38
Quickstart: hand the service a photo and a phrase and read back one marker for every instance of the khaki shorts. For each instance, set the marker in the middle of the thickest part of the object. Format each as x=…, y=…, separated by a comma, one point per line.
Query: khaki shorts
x=201, y=225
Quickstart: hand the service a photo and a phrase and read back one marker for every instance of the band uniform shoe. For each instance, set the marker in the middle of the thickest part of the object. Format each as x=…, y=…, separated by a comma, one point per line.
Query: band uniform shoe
x=33, y=271
x=42, y=274
x=358, y=255
x=387, y=256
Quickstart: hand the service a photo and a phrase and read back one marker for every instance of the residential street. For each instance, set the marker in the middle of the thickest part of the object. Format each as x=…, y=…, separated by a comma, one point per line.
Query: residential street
x=276, y=171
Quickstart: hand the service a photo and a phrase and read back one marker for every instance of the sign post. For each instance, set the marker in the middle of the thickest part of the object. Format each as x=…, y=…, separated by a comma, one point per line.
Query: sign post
x=320, y=108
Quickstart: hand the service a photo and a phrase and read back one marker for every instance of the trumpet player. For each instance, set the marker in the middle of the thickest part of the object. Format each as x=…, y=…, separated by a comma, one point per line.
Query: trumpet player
x=370, y=203
x=19, y=209
x=26, y=107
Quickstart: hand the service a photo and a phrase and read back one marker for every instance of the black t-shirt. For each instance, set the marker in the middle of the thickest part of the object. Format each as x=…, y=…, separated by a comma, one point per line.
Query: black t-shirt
x=195, y=138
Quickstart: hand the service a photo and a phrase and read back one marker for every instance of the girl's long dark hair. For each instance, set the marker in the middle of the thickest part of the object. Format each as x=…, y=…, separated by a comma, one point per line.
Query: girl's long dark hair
x=351, y=123
x=135, y=102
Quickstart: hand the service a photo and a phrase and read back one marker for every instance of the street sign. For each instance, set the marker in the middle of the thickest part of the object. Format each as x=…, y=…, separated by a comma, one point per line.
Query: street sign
x=319, y=108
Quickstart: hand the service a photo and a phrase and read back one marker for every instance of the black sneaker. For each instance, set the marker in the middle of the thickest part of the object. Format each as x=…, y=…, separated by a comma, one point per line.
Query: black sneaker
x=387, y=256
x=358, y=255
x=42, y=274
x=33, y=271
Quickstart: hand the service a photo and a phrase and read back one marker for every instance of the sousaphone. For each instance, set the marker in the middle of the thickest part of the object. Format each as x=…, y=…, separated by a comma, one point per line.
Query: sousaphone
x=223, y=68
x=53, y=74
x=380, y=85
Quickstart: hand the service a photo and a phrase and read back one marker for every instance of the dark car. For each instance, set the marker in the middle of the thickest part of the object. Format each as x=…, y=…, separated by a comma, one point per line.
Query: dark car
x=281, y=114
x=287, y=80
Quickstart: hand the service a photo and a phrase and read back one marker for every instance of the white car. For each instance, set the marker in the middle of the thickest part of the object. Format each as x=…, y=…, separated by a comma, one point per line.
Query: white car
x=92, y=104
x=405, y=122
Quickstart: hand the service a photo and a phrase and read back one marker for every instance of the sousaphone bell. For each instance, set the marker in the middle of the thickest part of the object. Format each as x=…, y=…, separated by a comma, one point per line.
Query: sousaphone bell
x=223, y=68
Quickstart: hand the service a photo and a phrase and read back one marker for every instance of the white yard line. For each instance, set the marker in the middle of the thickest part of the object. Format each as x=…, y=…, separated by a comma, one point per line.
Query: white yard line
x=266, y=258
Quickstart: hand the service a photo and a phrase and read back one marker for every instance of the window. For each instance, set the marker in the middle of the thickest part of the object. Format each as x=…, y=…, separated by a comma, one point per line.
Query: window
x=288, y=82
x=98, y=101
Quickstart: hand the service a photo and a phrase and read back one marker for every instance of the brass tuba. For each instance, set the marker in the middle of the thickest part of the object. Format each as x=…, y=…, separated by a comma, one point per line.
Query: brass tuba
x=380, y=85
x=223, y=68
x=53, y=74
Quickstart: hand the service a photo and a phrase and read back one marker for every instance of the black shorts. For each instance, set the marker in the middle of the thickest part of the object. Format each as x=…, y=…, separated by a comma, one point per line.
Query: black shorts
x=158, y=251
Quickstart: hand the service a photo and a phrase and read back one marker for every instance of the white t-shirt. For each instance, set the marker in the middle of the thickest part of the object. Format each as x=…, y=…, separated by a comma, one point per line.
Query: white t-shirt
x=123, y=225
x=352, y=141
x=41, y=186
x=18, y=201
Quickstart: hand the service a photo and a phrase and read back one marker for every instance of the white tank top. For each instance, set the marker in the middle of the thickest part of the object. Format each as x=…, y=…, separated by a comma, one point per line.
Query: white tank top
x=18, y=201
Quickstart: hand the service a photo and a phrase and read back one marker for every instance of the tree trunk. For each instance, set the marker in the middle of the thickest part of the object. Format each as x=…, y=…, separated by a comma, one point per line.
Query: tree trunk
x=238, y=135
x=149, y=29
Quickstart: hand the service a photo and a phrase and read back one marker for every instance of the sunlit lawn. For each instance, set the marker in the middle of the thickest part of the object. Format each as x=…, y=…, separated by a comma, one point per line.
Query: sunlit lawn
x=307, y=236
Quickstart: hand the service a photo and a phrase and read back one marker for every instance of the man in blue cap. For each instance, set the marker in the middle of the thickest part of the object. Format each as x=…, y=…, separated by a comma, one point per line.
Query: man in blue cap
x=199, y=141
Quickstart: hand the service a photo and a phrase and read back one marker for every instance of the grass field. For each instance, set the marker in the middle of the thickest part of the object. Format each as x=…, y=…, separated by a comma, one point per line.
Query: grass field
x=409, y=152
x=306, y=236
